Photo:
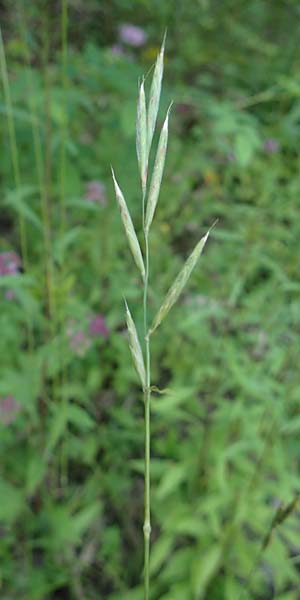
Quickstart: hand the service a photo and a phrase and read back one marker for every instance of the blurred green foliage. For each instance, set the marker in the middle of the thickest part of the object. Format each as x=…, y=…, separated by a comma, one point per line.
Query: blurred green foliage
x=226, y=434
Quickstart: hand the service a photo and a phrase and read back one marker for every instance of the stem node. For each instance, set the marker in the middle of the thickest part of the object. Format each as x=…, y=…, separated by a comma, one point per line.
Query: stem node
x=147, y=529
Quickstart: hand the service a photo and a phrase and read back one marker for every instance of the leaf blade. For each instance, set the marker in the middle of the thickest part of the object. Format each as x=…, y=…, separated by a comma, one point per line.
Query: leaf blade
x=204, y=570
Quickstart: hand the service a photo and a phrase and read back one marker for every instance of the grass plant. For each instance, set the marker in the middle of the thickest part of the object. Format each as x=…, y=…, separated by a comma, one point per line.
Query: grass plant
x=150, y=189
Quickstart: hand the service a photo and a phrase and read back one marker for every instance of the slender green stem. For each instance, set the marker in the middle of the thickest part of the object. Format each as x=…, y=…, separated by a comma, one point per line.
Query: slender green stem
x=47, y=172
x=63, y=167
x=64, y=51
x=143, y=214
x=147, y=398
x=13, y=144
x=145, y=303
x=16, y=170
x=38, y=152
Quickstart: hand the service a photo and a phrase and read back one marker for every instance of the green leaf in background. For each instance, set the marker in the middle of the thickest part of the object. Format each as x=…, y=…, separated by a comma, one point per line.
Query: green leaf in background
x=36, y=470
x=12, y=501
x=83, y=519
x=173, y=477
x=204, y=568
x=79, y=417
x=65, y=414
x=67, y=528
x=57, y=427
x=20, y=203
x=160, y=552
x=245, y=145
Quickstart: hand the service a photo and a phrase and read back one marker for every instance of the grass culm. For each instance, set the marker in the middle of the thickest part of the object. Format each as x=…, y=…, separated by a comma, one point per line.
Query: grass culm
x=150, y=188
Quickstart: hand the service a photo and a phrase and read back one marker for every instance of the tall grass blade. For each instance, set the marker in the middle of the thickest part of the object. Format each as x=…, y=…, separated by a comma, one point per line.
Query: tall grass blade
x=16, y=171
x=64, y=82
x=38, y=153
x=13, y=144
x=129, y=228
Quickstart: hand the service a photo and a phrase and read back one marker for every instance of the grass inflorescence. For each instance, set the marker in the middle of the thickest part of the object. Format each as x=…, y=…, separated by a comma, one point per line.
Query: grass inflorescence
x=145, y=128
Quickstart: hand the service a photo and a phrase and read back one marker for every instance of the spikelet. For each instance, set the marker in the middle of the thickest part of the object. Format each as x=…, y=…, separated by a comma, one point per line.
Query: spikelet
x=141, y=137
x=135, y=348
x=155, y=95
x=179, y=283
x=129, y=228
x=157, y=173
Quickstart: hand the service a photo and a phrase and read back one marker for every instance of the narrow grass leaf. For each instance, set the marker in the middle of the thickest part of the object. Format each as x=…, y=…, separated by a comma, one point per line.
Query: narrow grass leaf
x=135, y=347
x=129, y=228
x=161, y=552
x=155, y=94
x=141, y=136
x=203, y=570
x=179, y=283
x=157, y=173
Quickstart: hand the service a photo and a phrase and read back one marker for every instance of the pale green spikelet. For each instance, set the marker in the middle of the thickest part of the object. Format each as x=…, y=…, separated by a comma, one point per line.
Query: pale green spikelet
x=129, y=228
x=155, y=94
x=135, y=347
x=157, y=172
x=141, y=137
x=179, y=283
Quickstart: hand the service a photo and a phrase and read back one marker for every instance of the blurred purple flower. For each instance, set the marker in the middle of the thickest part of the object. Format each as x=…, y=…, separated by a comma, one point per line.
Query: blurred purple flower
x=78, y=340
x=98, y=326
x=132, y=35
x=230, y=157
x=95, y=192
x=183, y=108
x=9, y=295
x=271, y=146
x=10, y=263
x=117, y=50
x=225, y=159
x=79, y=343
x=85, y=138
x=9, y=409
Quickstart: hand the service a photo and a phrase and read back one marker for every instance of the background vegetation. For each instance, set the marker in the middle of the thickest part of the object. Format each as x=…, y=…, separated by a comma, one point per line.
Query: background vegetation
x=225, y=466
